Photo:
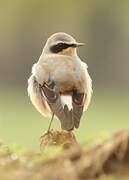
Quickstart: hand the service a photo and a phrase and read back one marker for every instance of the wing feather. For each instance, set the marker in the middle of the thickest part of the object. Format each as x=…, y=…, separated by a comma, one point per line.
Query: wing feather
x=36, y=97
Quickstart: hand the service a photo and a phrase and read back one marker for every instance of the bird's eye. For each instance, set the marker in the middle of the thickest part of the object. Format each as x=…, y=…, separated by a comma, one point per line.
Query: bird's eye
x=59, y=47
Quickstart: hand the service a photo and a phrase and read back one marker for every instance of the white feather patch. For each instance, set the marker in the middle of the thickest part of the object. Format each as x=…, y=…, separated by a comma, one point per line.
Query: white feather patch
x=67, y=99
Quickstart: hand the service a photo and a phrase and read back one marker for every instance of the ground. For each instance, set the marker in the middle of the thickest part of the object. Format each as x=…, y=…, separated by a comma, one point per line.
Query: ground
x=61, y=160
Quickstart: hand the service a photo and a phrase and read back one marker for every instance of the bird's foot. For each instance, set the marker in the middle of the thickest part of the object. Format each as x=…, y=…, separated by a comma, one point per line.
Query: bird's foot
x=43, y=137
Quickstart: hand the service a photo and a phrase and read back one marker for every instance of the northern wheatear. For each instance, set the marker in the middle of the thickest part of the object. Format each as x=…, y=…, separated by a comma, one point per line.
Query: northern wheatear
x=60, y=84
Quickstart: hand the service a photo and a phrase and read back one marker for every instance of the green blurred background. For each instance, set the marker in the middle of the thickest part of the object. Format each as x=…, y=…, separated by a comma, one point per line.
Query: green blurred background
x=24, y=27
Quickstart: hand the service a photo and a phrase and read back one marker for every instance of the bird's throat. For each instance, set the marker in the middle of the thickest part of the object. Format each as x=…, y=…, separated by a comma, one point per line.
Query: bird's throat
x=69, y=52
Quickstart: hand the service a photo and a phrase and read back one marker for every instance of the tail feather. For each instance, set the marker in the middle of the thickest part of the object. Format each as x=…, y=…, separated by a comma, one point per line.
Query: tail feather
x=68, y=120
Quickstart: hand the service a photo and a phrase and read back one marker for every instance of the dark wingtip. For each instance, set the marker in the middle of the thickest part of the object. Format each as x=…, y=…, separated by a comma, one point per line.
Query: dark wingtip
x=78, y=103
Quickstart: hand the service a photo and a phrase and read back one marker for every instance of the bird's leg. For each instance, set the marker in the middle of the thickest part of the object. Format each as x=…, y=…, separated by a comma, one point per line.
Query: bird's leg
x=48, y=90
x=49, y=127
x=48, y=133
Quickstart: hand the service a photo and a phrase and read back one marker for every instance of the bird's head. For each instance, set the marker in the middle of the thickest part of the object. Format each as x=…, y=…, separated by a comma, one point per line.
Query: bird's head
x=61, y=43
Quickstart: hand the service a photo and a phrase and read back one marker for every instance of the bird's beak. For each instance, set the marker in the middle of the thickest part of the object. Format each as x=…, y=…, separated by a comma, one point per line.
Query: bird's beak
x=80, y=44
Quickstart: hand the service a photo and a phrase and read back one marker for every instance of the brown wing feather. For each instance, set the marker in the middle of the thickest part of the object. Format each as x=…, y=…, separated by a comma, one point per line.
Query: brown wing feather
x=54, y=101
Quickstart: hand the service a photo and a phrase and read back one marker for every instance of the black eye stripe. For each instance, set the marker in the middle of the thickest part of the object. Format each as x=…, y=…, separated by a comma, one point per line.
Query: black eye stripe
x=60, y=46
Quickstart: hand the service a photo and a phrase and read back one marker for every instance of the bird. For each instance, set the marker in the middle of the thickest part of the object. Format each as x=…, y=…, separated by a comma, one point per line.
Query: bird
x=60, y=84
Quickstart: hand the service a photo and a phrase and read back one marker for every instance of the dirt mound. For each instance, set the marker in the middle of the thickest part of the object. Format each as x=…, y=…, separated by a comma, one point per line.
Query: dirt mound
x=106, y=161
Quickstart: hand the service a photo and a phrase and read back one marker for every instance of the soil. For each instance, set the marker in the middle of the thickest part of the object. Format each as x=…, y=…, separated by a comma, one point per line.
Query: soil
x=108, y=160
